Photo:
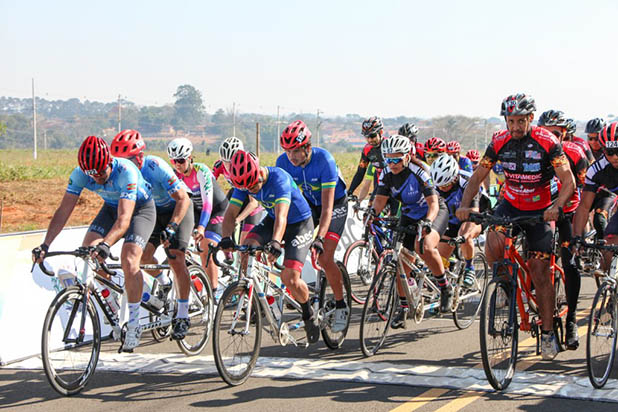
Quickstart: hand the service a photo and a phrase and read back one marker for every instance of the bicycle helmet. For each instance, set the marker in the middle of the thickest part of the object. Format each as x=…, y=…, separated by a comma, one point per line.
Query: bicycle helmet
x=435, y=144
x=244, y=170
x=473, y=155
x=517, y=104
x=396, y=144
x=127, y=143
x=408, y=130
x=180, y=148
x=296, y=135
x=372, y=125
x=571, y=127
x=595, y=125
x=419, y=149
x=229, y=147
x=444, y=170
x=552, y=118
x=93, y=155
x=453, y=147
x=608, y=137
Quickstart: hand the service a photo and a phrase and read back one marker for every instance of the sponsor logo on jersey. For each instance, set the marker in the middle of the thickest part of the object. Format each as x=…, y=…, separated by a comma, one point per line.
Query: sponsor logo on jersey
x=509, y=165
x=532, y=167
x=532, y=154
x=132, y=186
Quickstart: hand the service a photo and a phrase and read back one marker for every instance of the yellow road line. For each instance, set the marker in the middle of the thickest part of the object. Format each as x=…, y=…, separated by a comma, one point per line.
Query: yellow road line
x=421, y=400
x=461, y=402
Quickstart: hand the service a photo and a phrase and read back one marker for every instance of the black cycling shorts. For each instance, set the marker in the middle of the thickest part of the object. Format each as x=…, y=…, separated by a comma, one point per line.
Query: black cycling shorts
x=142, y=222
x=439, y=224
x=184, y=229
x=539, y=236
x=337, y=220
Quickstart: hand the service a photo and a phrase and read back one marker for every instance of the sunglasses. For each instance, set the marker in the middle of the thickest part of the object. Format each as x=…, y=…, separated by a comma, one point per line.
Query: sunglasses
x=432, y=155
x=179, y=161
x=371, y=136
x=593, y=139
x=393, y=160
x=611, y=152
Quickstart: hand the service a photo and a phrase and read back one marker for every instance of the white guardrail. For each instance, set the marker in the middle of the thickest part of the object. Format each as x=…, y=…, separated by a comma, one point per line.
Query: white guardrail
x=25, y=297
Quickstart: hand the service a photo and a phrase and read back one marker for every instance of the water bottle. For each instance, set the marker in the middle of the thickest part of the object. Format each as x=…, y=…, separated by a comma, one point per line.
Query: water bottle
x=412, y=285
x=274, y=307
x=66, y=277
x=152, y=300
x=111, y=303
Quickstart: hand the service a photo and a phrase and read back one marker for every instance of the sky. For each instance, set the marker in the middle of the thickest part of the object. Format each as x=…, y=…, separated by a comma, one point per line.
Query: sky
x=387, y=58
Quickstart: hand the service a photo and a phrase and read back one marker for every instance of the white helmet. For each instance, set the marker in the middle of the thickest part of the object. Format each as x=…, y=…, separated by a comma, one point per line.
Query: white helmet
x=396, y=144
x=230, y=146
x=444, y=170
x=180, y=148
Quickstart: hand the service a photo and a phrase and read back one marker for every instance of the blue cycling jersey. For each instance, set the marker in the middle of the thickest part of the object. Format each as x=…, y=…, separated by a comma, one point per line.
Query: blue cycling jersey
x=320, y=173
x=279, y=187
x=164, y=182
x=125, y=182
x=453, y=196
x=411, y=186
x=465, y=164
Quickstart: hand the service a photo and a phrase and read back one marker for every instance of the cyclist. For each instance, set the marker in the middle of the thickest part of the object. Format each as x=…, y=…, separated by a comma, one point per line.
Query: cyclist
x=174, y=221
x=555, y=122
x=251, y=211
x=316, y=174
x=128, y=211
x=571, y=128
x=288, y=220
x=593, y=128
x=453, y=148
x=603, y=172
x=373, y=130
x=410, y=184
x=474, y=157
x=434, y=147
x=530, y=156
x=209, y=202
x=451, y=181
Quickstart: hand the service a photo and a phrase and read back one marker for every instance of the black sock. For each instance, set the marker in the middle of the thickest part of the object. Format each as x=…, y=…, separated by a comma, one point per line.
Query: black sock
x=307, y=310
x=340, y=304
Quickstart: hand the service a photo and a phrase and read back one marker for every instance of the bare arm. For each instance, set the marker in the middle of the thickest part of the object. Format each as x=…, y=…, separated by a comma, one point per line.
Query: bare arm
x=379, y=202
x=433, y=205
x=281, y=220
x=581, y=214
x=229, y=220
x=328, y=199
x=364, y=190
x=251, y=206
x=183, y=202
x=472, y=189
x=62, y=214
x=568, y=184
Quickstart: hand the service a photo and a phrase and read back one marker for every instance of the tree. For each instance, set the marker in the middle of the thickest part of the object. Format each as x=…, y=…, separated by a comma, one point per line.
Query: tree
x=2, y=129
x=189, y=107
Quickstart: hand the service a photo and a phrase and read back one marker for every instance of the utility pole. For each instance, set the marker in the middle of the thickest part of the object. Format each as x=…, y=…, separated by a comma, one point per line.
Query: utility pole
x=257, y=139
x=317, y=127
x=45, y=139
x=276, y=148
x=234, y=119
x=34, y=118
x=119, y=114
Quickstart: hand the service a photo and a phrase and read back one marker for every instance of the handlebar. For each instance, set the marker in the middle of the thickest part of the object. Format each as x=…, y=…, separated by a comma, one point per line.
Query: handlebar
x=251, y=250
x=82, y=252
x=489, y=219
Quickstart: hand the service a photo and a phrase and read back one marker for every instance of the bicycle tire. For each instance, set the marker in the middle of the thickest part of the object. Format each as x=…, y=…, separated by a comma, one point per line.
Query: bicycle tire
x=69, y=370
x=236, y=358
x=334, y=340
x=601, y=337
x=359, y=280
x=201, y=313
x=498, y=339
x=378, y=310
x=471, y=299
x=559, y=325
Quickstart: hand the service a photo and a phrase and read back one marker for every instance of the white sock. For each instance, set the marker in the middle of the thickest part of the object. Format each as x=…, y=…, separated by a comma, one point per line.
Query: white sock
x=134, y=314
x=163, y=279
x=183, y=309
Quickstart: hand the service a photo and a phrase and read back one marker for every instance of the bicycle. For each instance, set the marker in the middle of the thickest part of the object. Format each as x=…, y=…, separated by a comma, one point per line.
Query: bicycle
x=256, y=297
x=508, y=293
x=603, y=322
x=71, y=337
x=361, y=257
x=420, y=291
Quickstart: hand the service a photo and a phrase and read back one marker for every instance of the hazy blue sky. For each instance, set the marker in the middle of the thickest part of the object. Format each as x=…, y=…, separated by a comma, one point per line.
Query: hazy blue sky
x=415, y=58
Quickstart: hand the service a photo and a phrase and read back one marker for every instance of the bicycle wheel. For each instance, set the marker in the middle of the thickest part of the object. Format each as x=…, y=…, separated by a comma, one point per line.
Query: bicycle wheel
x=470, y=299
x=361, y=266
x=69, y=359
x=378, y=310
x=560, y=311
x=498, y=338
x=602, y=333
x=236, y=341
x=201, y=312
x=334, y=340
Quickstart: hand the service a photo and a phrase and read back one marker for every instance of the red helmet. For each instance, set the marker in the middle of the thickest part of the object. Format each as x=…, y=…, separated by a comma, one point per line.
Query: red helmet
x=435, y=144
x=245, y=169
x=127, y=143
x=296, y=135
x=473, y=155
x=609, y=136
x=420, y=149
x=93, y=155
x=453, y=147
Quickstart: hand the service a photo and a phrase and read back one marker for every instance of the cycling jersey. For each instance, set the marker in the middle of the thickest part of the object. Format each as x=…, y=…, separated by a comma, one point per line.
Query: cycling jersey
x=164, y=182
x=465, y=164
x=206, y=193
x=579, y=165
x=601, y=173
x=528, y=165
x=372, y=155
x=453, y=196
x=583, y=143
x=125, y=182
x=410, y=187
x=320, y=173
x=279, y=187
x=218, y=169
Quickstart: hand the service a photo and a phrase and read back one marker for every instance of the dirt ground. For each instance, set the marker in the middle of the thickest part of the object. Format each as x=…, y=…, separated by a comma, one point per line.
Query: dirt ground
x=30, y=205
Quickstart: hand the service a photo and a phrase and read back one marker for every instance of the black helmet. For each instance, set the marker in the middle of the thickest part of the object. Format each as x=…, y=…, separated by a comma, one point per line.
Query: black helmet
x=553, y=118
x=517, y=104
x=595, y=125
x=372, y=125
x=571, y=127
x=408, y=130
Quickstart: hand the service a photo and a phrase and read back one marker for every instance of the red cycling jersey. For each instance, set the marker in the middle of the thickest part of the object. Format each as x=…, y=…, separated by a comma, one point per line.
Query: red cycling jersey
x=579, y=165
x=528, y=165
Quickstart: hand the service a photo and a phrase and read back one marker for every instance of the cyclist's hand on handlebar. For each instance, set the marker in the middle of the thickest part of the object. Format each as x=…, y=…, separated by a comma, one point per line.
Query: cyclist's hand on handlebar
x=169, y=236
x=368, y=217
x=575, y=244
x=39, y=252
x=101, y=251
x=425, y=226
x=352, y=198
x=198, y=234
x=463, y=213
x=552, y=214
x=318, y=245
x=274, y=249
x=226, y=244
